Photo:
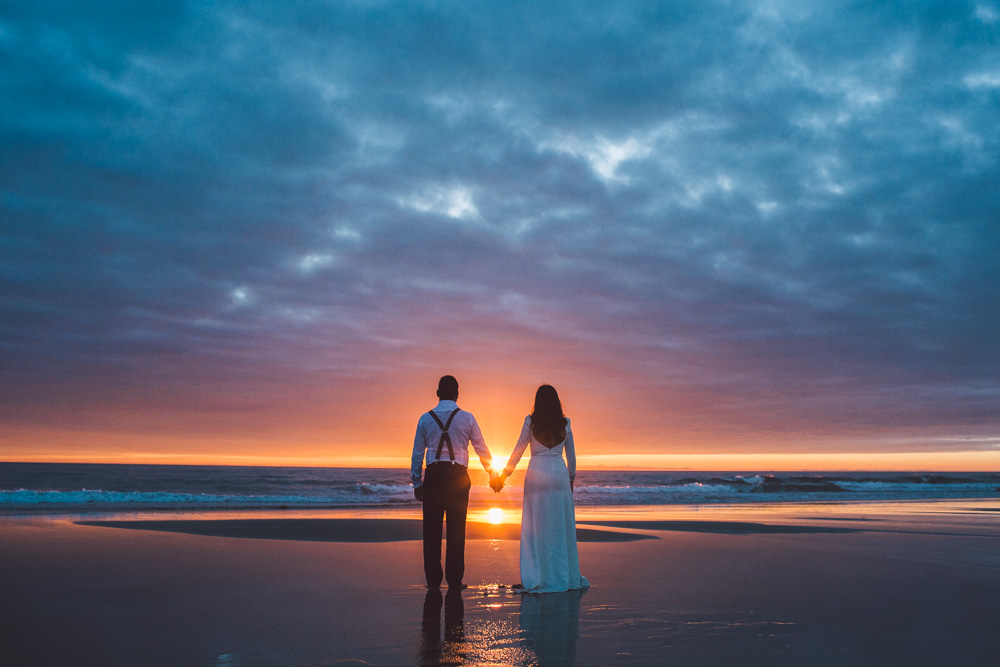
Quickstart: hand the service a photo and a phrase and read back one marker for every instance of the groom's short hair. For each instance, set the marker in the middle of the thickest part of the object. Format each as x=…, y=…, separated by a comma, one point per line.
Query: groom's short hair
x=448, y=388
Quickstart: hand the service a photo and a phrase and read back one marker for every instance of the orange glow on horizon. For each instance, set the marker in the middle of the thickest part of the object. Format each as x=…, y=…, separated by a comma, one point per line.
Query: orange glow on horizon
x=969, y=461
x=380, y=435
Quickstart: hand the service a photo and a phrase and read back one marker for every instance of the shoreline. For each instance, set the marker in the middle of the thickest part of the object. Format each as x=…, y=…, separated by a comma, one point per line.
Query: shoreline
x=66, y=489
x=68, y=510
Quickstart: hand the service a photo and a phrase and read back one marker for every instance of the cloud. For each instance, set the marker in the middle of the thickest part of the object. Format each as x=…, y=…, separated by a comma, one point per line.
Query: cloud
x=756, y=218
x=455, y=202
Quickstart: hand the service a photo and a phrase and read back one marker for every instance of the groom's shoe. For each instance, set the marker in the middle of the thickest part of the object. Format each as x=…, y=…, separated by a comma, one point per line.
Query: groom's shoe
x=457, y=587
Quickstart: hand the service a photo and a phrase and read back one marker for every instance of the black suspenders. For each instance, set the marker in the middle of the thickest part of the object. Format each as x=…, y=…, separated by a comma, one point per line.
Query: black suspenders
x=445, y=438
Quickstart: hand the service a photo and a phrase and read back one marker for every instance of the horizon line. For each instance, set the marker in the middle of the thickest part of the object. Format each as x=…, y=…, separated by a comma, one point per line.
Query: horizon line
x=961, y=461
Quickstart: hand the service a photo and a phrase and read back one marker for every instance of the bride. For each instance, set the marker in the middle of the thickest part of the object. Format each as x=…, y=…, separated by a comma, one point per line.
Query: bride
x=549, y=561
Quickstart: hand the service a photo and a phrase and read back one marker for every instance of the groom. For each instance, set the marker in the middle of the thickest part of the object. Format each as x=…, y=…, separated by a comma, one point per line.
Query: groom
x=445, y=433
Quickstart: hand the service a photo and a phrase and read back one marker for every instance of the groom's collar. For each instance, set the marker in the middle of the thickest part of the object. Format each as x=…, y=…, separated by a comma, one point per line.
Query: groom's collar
x=446, y=405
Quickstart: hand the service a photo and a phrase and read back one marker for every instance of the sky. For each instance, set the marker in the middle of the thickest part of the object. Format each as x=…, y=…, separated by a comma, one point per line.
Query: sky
x=731, y=234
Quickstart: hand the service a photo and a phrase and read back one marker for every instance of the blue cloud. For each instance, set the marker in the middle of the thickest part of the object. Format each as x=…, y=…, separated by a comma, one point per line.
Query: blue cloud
x=786, y=208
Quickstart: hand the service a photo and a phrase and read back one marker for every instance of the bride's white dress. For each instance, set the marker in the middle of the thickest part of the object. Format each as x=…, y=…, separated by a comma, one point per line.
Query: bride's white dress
x=549, y=560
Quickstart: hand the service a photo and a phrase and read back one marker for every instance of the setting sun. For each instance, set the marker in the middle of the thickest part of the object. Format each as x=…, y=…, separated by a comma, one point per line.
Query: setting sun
x=495, y=515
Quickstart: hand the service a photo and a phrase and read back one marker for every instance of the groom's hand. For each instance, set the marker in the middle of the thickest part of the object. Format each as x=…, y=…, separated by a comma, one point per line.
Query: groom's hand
x=418, y=493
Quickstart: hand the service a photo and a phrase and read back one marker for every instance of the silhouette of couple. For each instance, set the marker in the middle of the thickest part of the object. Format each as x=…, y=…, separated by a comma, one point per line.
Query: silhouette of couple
x=549, y=561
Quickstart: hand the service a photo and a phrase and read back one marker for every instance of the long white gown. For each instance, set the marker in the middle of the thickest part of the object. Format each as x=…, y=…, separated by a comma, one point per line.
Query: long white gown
x=549, y=559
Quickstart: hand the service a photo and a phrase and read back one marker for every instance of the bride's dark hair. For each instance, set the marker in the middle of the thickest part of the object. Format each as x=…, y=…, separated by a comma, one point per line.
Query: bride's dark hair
x=548, y=423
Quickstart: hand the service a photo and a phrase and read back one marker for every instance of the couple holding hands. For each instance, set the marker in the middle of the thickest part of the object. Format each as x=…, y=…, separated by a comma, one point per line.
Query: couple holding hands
x=549, y=560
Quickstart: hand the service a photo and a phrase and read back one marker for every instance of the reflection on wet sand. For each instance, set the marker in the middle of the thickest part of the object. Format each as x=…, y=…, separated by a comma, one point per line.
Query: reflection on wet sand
x=550, y=626
x=544, y=633
x=432, y=650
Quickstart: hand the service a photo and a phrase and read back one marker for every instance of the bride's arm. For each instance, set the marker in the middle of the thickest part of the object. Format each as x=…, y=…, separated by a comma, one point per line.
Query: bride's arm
x=522, y=444
x=570, y=455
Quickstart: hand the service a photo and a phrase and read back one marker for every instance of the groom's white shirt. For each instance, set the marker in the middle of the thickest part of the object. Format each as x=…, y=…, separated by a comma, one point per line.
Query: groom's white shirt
x=463, y=430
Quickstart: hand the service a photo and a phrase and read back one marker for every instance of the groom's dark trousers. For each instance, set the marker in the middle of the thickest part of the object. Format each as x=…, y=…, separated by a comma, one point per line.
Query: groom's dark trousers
x=446, y=495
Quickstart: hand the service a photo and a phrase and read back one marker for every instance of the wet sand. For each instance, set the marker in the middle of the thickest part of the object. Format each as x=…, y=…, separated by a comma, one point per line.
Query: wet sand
x=875, y=584
x=341, y=529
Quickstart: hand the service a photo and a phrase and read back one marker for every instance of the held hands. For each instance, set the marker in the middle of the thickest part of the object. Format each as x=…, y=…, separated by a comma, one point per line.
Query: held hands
x=496, y=482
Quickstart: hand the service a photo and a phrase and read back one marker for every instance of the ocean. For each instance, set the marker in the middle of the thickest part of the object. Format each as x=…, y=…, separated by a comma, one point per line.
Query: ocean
x=29, y=488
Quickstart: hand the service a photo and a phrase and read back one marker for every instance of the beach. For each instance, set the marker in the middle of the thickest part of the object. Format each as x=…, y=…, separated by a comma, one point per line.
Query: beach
x=274, y=274
x=915, y=583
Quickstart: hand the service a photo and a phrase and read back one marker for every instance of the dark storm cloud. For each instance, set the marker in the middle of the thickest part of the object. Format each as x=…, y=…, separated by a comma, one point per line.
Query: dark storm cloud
x=789, y=212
